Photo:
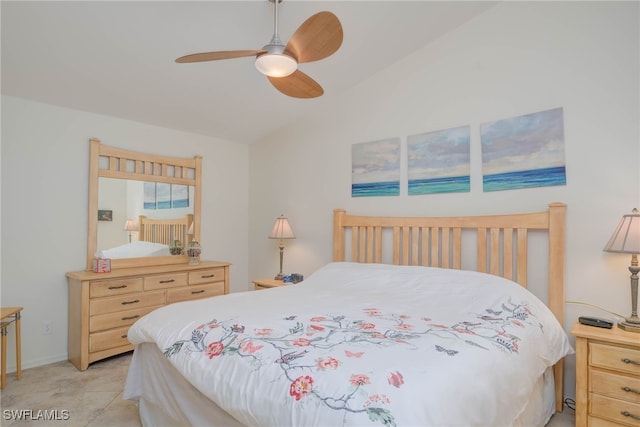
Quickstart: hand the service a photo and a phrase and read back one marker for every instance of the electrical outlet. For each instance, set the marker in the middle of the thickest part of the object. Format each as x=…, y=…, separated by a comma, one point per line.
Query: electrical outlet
x=47, y=327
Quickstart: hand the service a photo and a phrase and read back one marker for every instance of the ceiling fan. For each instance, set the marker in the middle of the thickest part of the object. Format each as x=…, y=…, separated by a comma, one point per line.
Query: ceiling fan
x=317, y=38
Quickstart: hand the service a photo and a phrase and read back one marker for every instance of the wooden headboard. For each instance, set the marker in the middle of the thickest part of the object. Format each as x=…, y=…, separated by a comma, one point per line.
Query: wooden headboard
x=501, y=247
x=164, y=231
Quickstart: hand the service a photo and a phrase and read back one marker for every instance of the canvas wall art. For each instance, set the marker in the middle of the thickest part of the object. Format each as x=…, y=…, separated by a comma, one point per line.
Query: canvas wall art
x=439, y=161
x=375, y=168
x=524, y=151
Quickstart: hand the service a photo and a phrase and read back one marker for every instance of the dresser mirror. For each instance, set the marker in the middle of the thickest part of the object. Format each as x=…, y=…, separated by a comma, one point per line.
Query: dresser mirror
x=143, y=208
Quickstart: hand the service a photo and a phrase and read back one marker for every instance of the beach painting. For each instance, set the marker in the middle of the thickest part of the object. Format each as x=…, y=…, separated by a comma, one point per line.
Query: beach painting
x=439, y=161
x=524, y=151
x=375, y=168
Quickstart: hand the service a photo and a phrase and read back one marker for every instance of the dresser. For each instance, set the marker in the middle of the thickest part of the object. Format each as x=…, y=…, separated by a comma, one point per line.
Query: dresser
x=102, y=306
x=607, y=377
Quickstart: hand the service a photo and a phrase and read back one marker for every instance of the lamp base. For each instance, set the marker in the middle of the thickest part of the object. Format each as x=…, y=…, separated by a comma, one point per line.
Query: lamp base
x=279, y=275
x=630, y=325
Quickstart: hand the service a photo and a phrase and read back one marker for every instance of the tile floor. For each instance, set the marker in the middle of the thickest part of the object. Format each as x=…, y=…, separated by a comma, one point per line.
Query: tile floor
x=94, y=398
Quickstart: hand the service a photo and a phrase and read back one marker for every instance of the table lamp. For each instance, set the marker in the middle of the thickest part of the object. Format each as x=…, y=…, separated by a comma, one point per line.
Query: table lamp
x=130, y=226
x=281, y=230
x=626, y=240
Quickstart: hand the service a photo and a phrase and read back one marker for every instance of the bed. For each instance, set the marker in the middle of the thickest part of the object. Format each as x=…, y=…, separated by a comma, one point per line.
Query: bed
x=413, y=337
x=164, y=231
x=154, y=238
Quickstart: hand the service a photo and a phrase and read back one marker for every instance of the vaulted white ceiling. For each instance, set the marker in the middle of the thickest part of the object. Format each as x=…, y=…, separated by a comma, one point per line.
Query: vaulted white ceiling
x=117, y=57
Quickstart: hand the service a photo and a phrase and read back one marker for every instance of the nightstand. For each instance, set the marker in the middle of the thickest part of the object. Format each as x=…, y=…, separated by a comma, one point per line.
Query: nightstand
x=607, y=376
x=267, y=283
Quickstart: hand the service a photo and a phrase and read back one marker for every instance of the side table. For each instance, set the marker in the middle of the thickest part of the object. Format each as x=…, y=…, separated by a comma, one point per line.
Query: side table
x=9, y=315
x=266, y=283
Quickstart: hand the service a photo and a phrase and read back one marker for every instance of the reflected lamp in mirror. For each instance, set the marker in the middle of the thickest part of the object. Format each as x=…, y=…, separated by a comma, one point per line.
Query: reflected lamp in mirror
x=281, y=230
x=130, y=226
x=626, y=240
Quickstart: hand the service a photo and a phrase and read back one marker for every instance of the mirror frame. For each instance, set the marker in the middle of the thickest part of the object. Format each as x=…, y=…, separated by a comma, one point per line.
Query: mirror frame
x=126, y=164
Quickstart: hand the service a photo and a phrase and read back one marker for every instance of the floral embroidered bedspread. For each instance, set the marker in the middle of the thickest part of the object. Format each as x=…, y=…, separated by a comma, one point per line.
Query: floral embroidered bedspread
x=364, y=345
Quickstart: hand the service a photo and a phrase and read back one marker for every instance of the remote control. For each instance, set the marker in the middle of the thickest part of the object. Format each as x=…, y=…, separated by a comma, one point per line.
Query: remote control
x=594, y=321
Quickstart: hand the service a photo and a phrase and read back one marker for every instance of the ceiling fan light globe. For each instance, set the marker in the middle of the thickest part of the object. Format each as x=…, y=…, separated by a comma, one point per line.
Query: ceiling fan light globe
x=276, y=64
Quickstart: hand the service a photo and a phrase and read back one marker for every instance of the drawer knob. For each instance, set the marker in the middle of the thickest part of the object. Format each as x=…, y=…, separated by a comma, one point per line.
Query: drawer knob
x=633, y=362
x=123, y=336
x=208, y=276
x=631, y=390
x=130, y=302
x=197, y=292
x=629, y=414
x=131, y=317
x=118, y=287
x=168, y=281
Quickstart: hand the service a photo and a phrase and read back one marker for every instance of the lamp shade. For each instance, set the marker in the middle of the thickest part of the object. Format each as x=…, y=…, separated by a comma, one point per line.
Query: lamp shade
x=626, y=237
x=281, y=229
x=130, y=225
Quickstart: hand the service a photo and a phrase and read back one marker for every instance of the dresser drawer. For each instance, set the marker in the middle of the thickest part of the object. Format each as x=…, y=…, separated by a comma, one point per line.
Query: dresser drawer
x=613, y=385
x=105, y=288
x=620, y=359
x=614, y=410
x=125, y=302
x=195, y=292
x=108, y=339
x=121, y=318
x=165, y=281
x=206, y=276
x=599, y=422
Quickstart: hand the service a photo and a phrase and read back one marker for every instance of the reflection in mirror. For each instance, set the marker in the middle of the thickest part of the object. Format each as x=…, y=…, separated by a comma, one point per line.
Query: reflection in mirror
x=165, y=210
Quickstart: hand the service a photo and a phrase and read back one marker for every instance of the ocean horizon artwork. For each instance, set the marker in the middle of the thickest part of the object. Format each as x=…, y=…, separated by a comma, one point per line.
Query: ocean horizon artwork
x=375, y=168
x=524, y=151
x=439, y=161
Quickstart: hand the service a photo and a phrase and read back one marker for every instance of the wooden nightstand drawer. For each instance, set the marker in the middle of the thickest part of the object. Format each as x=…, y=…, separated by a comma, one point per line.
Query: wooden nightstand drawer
x=206, y=276
x=261, y=284
x=165, y=281
x=107, y=288
x=125, y=302
x=108, y=339
x=614, y=410
x=119, y=319
x=613, y=385
x=620, y=359
x=195, y=292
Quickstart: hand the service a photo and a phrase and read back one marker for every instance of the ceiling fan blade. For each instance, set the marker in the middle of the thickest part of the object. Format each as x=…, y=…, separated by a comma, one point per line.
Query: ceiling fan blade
x=318, y=37
x=297, y=85
x=214, y=56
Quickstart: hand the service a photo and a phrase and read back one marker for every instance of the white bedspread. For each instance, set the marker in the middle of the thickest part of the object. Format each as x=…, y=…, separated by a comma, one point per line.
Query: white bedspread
x=364, y=344
x=135, y=249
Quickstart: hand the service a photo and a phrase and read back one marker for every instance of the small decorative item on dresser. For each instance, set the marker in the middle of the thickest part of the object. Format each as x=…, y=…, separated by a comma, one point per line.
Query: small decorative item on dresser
x=175, y=248
x=193, y=252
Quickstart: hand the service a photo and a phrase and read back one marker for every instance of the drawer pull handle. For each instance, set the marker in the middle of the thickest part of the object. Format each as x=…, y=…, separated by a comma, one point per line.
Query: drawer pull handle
x=197, y=292
x=629, y=414
x=131, y=317
x=118, y=287
x=123, y=336
x=130, y=302
x=633, y=362
x=631, y=390
x=208, y=276
x=168, y=281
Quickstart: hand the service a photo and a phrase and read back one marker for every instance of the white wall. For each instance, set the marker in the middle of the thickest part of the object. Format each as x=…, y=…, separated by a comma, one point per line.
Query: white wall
x=517, y=58
x=45, y=168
